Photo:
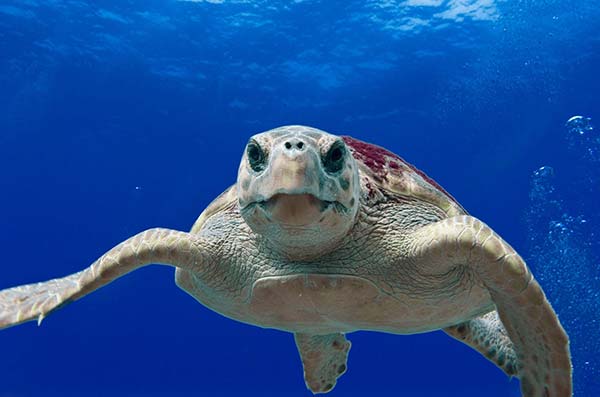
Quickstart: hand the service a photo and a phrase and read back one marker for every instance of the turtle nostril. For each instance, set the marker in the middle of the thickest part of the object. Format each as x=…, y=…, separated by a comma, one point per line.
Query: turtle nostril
x=294, y=144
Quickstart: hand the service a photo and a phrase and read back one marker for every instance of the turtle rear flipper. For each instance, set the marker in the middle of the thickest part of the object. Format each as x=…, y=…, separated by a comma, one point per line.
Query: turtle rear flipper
x=487, y=335
x=324, y=359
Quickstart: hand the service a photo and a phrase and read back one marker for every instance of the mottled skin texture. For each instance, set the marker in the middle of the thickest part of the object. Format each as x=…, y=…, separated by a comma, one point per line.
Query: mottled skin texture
x=322, y=236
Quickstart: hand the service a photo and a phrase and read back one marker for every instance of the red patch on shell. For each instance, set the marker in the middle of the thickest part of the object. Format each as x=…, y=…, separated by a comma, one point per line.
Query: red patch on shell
x=376, y=158
x=373, y=156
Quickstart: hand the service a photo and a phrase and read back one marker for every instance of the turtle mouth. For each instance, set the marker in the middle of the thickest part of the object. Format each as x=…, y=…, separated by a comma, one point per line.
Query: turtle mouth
x=296, y=209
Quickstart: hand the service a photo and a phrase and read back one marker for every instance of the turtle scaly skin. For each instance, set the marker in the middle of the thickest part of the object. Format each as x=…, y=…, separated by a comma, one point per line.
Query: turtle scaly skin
x=325, y=235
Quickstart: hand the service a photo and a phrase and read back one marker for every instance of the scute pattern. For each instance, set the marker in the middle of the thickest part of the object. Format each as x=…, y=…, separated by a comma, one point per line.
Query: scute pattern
x=389, y=171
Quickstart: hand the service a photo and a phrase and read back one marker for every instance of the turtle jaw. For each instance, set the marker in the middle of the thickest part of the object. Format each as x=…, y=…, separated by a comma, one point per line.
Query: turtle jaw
x=296, y=210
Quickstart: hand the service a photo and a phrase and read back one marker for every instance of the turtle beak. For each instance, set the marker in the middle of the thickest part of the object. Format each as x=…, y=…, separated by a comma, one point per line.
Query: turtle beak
x=293, y=175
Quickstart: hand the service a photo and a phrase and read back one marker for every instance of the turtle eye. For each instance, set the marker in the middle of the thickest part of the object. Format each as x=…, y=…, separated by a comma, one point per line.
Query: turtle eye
x=256, y=156
x=334, y=159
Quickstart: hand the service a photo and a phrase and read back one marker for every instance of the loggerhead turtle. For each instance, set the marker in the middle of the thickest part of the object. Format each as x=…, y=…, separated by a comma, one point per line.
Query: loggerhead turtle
x=324, y=235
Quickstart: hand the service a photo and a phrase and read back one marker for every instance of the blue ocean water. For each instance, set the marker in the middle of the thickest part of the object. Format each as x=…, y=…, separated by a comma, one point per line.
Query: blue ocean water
x=117, y=116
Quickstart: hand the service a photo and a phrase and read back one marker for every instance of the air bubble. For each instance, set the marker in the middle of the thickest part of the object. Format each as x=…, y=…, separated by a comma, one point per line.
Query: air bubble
x=582, y=138
x=559, y=231
x=579, y=125
x=542, y=183
x=544, y=172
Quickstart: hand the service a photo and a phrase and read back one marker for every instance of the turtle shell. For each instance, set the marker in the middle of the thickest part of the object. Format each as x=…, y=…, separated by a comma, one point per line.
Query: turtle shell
x=225, y=201
x=381, y=169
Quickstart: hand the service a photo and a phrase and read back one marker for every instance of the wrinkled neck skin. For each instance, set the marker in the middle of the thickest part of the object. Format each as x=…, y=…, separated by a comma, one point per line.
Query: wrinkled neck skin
x=299, y=226
x=306, y=242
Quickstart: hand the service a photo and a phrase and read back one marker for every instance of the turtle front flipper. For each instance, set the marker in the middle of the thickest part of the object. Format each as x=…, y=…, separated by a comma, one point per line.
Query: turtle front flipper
x=324, y=359
x=487, y=335
x=541, y=344
x=36, y=301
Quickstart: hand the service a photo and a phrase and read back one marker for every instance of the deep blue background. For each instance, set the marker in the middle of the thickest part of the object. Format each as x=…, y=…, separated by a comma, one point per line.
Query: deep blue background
x=117, y=116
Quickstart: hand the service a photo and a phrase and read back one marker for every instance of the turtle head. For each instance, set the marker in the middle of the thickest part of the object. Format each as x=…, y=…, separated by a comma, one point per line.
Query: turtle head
x=299, y=188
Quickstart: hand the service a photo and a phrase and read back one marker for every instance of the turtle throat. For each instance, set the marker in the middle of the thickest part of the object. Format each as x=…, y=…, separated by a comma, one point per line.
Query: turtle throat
x=299, y=225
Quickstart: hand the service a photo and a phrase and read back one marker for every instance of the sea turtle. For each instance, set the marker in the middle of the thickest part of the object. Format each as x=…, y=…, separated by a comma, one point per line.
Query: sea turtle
x=324, y=235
